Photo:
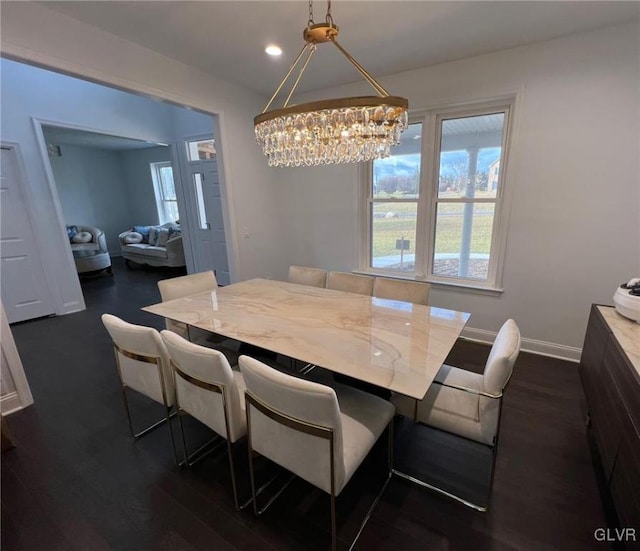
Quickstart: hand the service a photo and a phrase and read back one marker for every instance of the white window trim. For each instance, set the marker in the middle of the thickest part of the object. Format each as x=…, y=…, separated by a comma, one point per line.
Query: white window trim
x=429, y=162
x=157, y=189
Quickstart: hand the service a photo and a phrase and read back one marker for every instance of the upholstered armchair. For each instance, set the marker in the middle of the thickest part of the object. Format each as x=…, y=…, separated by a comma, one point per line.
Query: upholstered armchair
x=89, y=248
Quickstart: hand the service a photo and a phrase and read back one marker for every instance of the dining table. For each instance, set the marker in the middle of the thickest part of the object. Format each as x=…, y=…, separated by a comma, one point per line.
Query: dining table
x=395, y=345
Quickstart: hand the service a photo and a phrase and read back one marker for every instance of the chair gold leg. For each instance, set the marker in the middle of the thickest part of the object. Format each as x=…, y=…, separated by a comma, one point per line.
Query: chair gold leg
x=384, y=486
x=424, y=484
x=250, y=454
x=171, y=436
x=390, y=450
x=191, y=458
x=184, y=440
x=334, y=536
x=126, y=407
x=165, y=420
x=233, y=476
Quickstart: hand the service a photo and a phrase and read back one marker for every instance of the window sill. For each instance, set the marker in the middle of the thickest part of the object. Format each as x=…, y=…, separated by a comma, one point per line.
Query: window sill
x=440, y=285
x=464, y=288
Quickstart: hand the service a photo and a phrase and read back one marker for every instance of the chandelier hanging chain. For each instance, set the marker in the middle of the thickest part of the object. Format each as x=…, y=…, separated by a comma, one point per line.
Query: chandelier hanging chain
x=310, y=21
x=328, y=18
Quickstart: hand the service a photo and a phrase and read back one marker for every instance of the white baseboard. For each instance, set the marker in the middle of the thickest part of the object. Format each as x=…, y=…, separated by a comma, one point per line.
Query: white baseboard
x=10, y=403
x=541, y=348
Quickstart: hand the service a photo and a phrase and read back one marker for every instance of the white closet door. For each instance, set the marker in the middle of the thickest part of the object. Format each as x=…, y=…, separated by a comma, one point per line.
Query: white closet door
x=25, y=293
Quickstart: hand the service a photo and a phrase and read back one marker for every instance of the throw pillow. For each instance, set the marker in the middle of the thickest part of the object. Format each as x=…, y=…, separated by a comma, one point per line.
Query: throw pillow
x=153, y=235
x=71, y=231
x=163, y=237
x=82, y=237
x=143, y=231
x=132, y=237
x=174, y=231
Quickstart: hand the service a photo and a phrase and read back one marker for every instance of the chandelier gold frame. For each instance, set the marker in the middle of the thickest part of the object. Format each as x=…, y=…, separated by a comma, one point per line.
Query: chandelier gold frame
x=350, y=129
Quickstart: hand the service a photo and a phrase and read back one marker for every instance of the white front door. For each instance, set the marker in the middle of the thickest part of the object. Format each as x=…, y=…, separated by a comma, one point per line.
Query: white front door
x=210, y=249
x=25, y=293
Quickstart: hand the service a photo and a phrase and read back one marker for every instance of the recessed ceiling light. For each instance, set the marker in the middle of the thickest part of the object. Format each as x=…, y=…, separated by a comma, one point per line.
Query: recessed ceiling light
x=273, y=50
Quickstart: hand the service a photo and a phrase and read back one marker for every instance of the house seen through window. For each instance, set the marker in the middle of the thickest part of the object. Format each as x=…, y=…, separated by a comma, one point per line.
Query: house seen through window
x=165, y=191
x=434, y=207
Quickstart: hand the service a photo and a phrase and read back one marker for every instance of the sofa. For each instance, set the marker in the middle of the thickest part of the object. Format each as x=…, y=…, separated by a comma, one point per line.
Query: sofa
x=89, y=248
x=153, y=245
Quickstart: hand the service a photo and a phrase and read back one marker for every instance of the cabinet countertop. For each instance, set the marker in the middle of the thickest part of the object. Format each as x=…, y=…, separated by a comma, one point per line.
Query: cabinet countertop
x=626, y=332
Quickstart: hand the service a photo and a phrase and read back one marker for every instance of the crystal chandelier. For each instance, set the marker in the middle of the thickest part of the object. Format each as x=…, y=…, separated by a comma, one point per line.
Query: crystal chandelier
x=341, y=130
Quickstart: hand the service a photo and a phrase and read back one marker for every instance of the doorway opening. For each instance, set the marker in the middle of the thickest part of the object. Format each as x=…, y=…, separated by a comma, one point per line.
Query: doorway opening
x=46, y=109
x=108, y=186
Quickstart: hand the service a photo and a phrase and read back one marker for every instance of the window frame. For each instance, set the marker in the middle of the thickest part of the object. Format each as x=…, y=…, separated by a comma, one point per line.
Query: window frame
x=431, y=120
x=156, y=176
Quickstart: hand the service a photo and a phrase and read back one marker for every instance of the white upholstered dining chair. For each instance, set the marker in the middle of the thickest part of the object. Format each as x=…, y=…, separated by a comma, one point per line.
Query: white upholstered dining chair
x=193, y=284
x=211, y=392
x=401, y=289
x=351, y=283
x=321, y=434
x=183, y=286
x=302, y=275
x=143, y=365
x=469, y=404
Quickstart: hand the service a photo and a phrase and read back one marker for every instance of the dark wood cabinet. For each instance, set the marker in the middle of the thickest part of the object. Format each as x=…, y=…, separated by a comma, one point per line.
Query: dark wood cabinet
x=610, y=373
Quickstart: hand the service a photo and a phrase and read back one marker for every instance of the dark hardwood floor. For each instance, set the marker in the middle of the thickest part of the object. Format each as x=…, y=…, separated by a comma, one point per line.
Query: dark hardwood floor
x=77, y=481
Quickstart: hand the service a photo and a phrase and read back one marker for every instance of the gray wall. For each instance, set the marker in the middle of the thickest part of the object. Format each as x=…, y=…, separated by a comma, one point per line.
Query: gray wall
x=110, y=190
x=573, y=173
x=138, y=184
x=92, y=191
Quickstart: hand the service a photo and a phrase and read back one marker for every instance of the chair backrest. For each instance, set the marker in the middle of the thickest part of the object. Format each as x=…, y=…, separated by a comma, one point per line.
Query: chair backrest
x=200, y=393
x=503, y=355
x=497, y=372
x=313, y=277
x=351, y=283
x=178, y=287
x=400, y=289
x=304, y=454
x=142, y=359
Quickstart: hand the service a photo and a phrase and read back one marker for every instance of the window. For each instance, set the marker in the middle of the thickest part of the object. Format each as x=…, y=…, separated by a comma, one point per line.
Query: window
x=198, y=181
x=434, y=209
x=201, y=150
x=165, y=190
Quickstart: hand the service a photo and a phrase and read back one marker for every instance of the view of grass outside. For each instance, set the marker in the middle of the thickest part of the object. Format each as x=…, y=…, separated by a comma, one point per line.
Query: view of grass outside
x=392, y=221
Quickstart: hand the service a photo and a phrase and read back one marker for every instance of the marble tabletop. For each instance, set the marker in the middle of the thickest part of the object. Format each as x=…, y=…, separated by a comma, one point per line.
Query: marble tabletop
x=391, y=344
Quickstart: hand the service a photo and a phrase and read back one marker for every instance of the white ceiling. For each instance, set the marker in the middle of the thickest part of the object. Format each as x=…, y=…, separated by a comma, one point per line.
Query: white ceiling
x=227, y=38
